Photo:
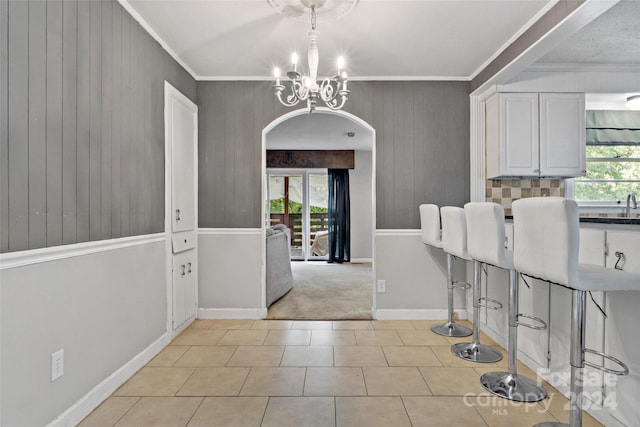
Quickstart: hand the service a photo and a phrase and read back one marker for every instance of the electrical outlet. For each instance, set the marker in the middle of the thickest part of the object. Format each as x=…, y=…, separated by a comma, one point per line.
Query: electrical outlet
x=382, y=287
x=57, y=365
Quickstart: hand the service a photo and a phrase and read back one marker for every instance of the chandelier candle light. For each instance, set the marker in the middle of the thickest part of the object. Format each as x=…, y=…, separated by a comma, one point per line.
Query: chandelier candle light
x=307, y=88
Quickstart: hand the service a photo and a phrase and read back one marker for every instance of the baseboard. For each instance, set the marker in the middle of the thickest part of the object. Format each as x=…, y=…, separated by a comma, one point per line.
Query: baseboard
x=420, y=314
x=232, y=313
x=83, y=407
x=361, y=260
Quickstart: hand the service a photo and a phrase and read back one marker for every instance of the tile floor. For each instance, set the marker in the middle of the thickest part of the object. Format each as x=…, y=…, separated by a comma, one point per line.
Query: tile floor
x=316, y=373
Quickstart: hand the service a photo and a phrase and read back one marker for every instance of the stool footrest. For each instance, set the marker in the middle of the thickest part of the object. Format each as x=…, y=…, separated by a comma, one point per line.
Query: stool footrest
x=461, y=285
x=541, y=327
x=489, y=303
x=623, y=371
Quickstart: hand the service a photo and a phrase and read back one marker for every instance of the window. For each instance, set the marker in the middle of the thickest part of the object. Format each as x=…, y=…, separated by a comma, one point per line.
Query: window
x=613, y=158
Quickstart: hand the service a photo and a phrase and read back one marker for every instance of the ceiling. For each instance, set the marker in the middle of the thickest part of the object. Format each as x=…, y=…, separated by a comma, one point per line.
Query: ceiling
x=380, y=39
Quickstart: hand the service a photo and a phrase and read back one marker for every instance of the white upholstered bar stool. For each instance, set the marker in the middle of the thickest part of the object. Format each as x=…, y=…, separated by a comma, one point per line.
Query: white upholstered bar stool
x=486, y=243
x=454, y=242
x=431, y=236
x=546, y=245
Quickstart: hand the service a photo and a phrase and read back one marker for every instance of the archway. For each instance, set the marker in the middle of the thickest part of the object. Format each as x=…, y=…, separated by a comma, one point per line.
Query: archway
x=325, y=115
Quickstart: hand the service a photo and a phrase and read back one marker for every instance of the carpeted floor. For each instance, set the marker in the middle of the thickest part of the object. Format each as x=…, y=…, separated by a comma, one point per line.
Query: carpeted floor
x=326, y=291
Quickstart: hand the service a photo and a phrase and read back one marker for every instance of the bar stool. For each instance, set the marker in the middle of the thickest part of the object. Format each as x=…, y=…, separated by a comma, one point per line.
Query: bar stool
x=546, y=237
x=454, y=242
x=431, y=236
x=486, y=240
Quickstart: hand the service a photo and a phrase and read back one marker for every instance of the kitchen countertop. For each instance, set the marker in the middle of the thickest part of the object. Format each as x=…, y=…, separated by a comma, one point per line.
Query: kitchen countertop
x=605, y=223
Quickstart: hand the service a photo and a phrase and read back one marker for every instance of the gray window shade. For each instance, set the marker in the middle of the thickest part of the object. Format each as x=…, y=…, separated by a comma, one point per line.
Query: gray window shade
x=608, y=127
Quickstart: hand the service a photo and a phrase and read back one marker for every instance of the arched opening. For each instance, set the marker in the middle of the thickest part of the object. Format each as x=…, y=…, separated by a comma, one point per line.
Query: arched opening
x=324, y=129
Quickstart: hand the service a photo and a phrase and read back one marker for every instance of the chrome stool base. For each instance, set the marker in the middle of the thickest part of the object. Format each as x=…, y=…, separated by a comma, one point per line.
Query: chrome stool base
x=513, y=387
x=474, y=352
x=451, y=329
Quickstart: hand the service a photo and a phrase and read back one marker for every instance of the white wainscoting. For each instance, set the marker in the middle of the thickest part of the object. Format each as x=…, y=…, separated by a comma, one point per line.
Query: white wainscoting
x=231, y=273
x=415, y=276
x=104, y=303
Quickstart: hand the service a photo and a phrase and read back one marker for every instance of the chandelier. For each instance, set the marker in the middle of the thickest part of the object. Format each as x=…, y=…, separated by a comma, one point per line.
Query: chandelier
x=331, y=90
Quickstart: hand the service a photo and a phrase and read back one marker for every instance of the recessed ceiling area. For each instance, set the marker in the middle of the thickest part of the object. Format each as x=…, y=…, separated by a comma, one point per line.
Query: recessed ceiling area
x=319, y=131
x=380, y=39
x=611, y=38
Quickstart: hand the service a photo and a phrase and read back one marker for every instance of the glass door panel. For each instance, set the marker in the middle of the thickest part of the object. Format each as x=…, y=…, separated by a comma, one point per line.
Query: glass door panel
x=286, y=207
x=318, y=216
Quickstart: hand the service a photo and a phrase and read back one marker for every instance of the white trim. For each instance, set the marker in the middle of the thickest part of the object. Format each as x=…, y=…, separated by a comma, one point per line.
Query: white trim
x=232, y=313
x=226, y=231
x=398, y=232
x=145, y=25
x=416, y=314
x=87, y=403
x=35, y=256
x=351, y=78
x=361, y=260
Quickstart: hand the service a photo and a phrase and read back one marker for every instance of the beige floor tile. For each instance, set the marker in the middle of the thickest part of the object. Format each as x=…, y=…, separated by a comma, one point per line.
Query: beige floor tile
x=382, y=337
x=272, y=324
x=334, y=382
x=439, y=411
x=257, y=355
x=315, y=355
x=410, y=356
x=231, y=324
x=558, y=406
x=230, y=412
x=352, y=324
x=312, y=324
x=421, y=337
x=198, y=337
x=300, y=411
x=288, y=337
x=155, y=381
x=394, y=382
x=161, y=412
x=359, y=356
x=109, y=412
x=371, y=412
x=274, y=382
x=323, y=337
x=452, y=381
x=426, y=324
x=449, y=359
x=214, y=382
x=169, y=355
x=201, y=324
x=499, y=412
x=243, y=337
x=203, y=356
x=392, y=324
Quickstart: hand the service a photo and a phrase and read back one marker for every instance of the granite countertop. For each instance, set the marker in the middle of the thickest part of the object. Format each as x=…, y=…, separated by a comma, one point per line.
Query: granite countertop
x=622, y=221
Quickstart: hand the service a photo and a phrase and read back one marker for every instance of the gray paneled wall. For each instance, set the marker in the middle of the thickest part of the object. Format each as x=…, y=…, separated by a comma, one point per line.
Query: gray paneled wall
x=422, y=147
x=81, y=123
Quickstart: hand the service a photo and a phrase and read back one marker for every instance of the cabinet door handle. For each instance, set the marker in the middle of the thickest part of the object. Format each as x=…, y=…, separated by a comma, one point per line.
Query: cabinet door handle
x=183, y=268
x=177, y=215
x=189, y=268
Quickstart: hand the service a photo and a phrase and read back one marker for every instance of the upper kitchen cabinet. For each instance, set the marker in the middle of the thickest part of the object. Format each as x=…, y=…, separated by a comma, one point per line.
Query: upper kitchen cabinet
x=535, y=135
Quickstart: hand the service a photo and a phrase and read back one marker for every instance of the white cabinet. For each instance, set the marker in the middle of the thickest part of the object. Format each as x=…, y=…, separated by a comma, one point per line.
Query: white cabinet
x=184, y=287
x=534, y=135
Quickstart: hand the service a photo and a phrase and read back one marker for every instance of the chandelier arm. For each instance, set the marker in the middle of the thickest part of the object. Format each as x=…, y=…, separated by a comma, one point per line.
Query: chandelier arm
x=333, y=105
x=290, y=101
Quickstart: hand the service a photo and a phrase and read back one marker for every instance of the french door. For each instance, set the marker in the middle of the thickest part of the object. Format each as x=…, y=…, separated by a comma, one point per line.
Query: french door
x=298, y=199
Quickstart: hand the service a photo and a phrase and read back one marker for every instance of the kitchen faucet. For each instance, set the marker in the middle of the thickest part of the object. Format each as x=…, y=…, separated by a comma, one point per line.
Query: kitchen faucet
x=631, y=204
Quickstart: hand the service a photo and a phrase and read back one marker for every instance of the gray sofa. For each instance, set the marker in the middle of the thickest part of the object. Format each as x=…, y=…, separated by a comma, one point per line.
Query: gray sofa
x=279, y=276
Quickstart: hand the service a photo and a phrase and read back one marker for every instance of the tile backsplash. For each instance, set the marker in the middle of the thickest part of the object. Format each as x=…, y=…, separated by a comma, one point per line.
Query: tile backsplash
x=505, y=191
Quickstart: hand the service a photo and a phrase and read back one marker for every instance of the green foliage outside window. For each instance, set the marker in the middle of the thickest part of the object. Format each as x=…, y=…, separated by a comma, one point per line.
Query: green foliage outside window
x=277, y=207
x=617, y=163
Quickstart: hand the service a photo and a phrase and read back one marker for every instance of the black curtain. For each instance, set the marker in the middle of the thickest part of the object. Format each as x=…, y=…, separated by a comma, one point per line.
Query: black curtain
x=339, y=216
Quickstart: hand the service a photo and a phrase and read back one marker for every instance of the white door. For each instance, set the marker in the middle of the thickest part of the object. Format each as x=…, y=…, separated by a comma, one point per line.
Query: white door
x=183, y=129
x=181, y=133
